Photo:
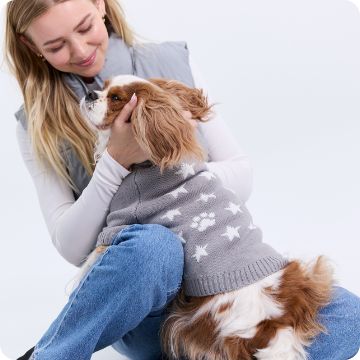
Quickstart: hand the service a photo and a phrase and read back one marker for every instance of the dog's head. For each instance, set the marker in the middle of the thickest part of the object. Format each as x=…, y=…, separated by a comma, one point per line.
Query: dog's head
x=158, y=121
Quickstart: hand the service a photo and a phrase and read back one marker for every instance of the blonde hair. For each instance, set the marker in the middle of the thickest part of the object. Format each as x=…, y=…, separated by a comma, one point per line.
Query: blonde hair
x=51, y=106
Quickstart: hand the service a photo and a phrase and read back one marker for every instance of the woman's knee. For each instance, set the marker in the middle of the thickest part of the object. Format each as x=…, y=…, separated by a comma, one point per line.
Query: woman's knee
x=153, y=239
x=349, y=304
x=341, y=319
x=156, y=247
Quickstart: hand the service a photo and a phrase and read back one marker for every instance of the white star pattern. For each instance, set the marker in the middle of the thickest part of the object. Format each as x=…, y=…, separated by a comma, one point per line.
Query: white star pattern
x=199, y=252
x=171, y=214
x=234, y=208
x=179, y=190
x=232, y=232
x=186, y=170
x=209, y=175
x=206, y=197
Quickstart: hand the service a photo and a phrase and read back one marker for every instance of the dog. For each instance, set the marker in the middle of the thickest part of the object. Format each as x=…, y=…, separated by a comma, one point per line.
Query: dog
x=264, y=309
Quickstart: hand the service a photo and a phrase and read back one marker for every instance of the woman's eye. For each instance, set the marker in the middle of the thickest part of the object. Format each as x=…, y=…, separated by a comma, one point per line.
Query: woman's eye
x=56, y=49
x=114, y=98
x=81, y=31
x=86, y=30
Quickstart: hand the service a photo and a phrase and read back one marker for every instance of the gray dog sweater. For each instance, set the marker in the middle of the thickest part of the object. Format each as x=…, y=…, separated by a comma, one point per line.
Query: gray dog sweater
x=223, y=248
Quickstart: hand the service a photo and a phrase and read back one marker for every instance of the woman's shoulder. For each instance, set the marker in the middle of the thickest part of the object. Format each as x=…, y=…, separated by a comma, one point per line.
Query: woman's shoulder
x=169, y=59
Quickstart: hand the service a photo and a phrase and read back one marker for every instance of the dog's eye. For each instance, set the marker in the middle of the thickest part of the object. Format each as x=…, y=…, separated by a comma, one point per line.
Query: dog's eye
x=114, y=98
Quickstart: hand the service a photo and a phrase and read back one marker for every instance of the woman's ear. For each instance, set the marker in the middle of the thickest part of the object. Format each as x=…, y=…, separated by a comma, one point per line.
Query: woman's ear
x=163, y=132
x=191, y=99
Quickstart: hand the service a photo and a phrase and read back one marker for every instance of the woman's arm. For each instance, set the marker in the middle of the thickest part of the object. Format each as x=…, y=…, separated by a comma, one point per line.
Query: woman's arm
x=228, y=161
x=73, y=225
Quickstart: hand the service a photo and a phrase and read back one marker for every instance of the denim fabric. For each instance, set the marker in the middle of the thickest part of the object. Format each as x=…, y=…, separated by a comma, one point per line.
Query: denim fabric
x=124, y=296
x=136, y=277
x=341, y=318
x=342, y=321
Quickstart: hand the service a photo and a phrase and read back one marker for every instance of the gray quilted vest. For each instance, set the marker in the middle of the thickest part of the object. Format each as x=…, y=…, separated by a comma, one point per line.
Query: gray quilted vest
x=168, y=60
x=219, y=261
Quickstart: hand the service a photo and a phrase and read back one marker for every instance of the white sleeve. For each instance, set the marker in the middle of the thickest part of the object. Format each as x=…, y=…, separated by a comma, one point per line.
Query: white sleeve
x=73, y=225
x=227, y=160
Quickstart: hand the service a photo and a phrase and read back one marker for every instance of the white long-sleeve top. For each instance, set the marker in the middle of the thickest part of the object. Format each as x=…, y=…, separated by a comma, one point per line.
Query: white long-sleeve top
x=74, y=225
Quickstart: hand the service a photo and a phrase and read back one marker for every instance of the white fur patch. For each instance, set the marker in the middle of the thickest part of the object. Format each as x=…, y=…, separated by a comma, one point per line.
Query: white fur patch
x=101, y=143
x=121, y=80
x=284, y=346
x=250, y=305
x=95, y=111
x=86, y=266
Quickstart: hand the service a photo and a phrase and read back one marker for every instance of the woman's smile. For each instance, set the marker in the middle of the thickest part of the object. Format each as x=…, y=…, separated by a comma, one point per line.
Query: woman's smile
x=88, y=61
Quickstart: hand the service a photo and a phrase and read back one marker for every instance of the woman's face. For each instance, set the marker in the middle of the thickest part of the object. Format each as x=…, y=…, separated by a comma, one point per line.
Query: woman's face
x=72, y=36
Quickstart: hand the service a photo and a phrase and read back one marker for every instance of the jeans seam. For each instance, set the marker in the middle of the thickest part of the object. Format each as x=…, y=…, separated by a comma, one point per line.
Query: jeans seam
x=61, y=325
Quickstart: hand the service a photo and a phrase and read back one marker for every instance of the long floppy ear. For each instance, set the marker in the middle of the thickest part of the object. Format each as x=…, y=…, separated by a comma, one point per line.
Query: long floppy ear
x=161, y=129
x=191, y=99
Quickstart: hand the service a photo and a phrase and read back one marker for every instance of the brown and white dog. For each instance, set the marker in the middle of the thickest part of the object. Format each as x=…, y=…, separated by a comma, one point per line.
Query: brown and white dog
x=275, y=318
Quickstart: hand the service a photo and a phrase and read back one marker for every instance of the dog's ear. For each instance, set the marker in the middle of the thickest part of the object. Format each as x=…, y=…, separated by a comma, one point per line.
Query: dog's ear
x=162, y=130
x=191, y=99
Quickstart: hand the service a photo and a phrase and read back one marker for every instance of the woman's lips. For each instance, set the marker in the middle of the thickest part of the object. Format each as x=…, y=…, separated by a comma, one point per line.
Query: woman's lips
x=89, y=61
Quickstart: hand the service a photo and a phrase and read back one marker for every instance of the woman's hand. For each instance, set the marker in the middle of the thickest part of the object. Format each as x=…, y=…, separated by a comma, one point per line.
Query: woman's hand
x=122, y=145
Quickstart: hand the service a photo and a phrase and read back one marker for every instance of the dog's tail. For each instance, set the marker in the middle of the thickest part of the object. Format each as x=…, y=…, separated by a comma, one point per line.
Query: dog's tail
x=305, y=289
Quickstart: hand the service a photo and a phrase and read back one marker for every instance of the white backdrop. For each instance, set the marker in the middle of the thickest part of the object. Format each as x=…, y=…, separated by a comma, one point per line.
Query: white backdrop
x=287, y=76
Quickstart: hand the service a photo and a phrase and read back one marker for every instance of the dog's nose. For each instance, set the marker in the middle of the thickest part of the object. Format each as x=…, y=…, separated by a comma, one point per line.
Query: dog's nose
x=91, y=96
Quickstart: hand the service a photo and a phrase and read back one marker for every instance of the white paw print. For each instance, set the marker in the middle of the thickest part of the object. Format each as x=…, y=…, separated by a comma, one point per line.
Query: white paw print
x=203, y=221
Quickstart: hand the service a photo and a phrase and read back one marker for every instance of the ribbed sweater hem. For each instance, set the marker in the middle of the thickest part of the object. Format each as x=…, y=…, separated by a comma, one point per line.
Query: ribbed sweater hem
x=234, y=280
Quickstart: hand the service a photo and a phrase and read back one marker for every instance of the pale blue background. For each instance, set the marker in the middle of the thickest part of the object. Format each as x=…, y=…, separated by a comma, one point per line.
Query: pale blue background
x=287, y=76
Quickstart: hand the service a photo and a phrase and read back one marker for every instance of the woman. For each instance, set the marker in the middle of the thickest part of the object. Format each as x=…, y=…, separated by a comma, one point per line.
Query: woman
x=59, y=50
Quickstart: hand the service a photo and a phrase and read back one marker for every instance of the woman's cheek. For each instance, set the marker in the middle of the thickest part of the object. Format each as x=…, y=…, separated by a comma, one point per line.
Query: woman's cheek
x=60, y=61
x=57, y=61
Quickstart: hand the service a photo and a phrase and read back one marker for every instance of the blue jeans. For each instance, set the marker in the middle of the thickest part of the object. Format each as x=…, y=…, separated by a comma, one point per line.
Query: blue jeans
x=122, y=302
x=135, y=278
x=341, y=318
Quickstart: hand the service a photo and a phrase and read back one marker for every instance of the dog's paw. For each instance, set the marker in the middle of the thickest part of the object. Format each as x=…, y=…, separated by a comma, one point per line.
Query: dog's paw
x=203, y=221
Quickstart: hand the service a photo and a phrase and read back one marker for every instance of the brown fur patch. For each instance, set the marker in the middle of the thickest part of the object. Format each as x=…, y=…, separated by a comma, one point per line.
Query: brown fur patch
x=225, y=307
x=158, y=120
x=161, y=128
x=302, y=292
x=181, y=334
x=191, y=99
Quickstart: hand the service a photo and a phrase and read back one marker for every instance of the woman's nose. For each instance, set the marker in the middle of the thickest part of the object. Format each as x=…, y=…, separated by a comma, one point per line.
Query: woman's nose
x=78, y=49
